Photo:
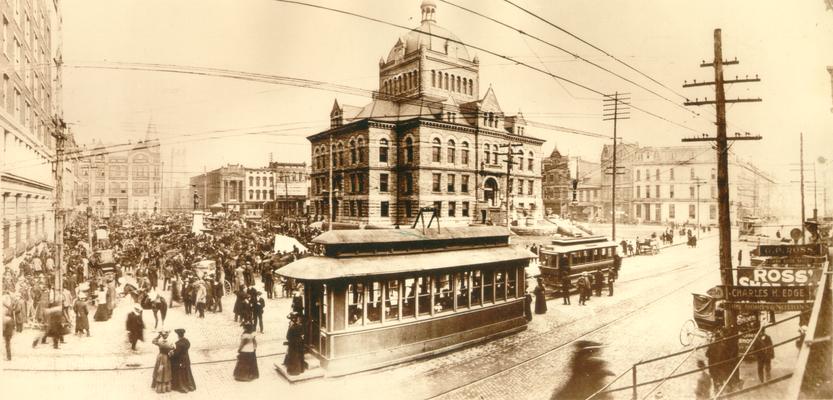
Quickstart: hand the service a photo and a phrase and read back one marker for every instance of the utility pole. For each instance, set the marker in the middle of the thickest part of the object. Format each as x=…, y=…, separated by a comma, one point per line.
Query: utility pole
x=619, y=111
x=725, y=229
x=60, y=141
x=803, y=217
x=510, y=160
x=698, y=182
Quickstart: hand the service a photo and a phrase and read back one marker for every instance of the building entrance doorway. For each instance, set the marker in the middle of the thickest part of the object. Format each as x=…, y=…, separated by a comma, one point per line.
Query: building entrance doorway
x=490, y=189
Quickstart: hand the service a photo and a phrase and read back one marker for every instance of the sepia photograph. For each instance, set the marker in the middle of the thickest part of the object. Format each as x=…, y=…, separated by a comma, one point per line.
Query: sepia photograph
x=417, y=199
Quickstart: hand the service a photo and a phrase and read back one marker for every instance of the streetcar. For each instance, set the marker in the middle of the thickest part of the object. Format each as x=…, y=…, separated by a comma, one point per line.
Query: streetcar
x=381, y=297
x=571, y=256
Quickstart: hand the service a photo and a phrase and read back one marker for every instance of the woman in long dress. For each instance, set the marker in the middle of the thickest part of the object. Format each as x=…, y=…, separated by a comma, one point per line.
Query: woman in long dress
x=162, y=370
x=294, y=359
x=182, y=380
x=540, y=300
x=102, y=313
x=246, y=368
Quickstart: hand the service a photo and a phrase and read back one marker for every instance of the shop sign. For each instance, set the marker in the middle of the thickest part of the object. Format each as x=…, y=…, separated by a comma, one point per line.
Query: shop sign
x=761, y=276
x=768, y=293
x=786, y=250
x=777, y=307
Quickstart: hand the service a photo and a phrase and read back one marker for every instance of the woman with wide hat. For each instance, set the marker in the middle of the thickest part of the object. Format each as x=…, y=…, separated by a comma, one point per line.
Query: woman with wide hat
x=182, y=380
x=246, y=368
x=162, y=370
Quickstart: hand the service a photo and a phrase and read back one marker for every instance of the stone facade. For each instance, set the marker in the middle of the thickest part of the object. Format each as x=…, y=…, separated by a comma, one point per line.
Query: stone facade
x=556, y=183
x=426, y=140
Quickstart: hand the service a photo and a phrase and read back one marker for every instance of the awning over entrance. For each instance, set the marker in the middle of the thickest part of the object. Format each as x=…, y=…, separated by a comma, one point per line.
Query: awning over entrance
x=325, y=268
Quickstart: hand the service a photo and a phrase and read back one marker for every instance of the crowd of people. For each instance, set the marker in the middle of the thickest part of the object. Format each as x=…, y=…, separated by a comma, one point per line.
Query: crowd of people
x=160, y=263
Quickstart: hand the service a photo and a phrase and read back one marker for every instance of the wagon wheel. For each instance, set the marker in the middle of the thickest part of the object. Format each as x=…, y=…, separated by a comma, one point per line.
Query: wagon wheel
x=227, y=287
x=688, y=332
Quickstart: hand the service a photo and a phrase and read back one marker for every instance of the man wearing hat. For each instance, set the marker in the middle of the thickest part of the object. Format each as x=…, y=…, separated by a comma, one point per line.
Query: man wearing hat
x=200, y=298
x=135, y=326
x=258, y=304
x=82, y=322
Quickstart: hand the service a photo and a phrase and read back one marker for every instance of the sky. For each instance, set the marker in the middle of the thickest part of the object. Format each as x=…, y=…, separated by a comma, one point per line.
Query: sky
x=788, y=47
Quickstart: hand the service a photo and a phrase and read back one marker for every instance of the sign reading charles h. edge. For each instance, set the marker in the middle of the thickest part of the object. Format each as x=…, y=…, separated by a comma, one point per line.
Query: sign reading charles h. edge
x=786, y=250
x=769, y=293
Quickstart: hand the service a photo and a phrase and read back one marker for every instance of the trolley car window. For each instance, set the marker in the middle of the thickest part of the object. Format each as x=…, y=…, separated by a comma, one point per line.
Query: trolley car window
x=462, y=282
x=409, y=301
x=355, y=301
x=424, y=296
x=563, y=260
x=512, y=283
x=374, y=303
x=442, y=293
x=488, y=286
x=476, y=288
x=500, y=285
x=392, y=300
x=324, y=302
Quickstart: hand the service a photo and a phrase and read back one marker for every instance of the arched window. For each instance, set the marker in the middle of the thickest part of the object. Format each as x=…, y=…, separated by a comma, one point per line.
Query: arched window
x=451, y=152
x=317, y=160
x=445, y=84
x=436, y=147
x=257, y=181
x=458, y=84
x=383, y=150
x=361, y=149
x=352, y=152
x=409, y=150
x=485, y=119
x=464, y=153
x=453, y=88
x=471, y=87
x=433, y=78
x=494, y=154
x=251, y=194
x=465, y=86
x=340, y=153
x=531, y=161
x=251, y=181
x=486, y=153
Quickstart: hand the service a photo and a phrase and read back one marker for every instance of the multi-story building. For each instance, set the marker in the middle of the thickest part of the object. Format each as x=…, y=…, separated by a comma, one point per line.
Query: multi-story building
x=672, y=183
x=427, y=139
x=556, y=182
x=259, y=189
x=29, y=114
x=122, y=179
x=625, y=156
x=292, y=185
x=221, y=189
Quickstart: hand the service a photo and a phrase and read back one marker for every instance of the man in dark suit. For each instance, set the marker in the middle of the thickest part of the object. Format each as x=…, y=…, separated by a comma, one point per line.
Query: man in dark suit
x=135, y=326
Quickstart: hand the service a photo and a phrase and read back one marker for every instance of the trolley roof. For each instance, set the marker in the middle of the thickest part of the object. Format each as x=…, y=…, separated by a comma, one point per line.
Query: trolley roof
x=570, y=244
x=407, y=235
x=327, y=268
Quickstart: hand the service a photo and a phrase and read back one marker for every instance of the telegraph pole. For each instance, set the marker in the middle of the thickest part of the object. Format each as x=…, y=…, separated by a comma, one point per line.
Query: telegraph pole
x=803, y=218
x=510, y=160
x=330, y=208
x=698, y=182
x=720, y=101
x=60, y=141
x=620, y=111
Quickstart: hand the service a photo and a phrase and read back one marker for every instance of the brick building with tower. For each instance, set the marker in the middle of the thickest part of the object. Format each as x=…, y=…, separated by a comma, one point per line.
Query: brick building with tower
x=427, y=139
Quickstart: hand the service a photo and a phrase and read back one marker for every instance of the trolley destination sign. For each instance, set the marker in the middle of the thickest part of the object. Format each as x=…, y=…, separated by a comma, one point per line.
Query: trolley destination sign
x=768, y=293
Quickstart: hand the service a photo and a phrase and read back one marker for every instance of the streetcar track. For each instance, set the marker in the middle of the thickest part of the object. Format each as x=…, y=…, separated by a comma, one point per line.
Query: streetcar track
x=554, y=327
x=564, y=344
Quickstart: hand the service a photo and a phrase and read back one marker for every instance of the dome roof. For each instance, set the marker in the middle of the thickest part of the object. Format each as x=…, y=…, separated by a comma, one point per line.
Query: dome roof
x=431, y=35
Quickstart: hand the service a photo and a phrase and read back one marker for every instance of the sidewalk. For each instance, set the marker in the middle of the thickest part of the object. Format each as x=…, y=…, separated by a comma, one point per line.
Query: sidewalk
x=213, y=338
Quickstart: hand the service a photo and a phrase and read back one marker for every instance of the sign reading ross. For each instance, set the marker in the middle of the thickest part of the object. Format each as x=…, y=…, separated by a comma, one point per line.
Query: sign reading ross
x=777, y=307
x=768, y=293
x=786, y=250
x=760, y=276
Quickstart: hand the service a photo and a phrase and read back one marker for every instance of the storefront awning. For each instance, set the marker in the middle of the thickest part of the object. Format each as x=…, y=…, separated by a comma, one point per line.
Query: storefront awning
x=326, y=268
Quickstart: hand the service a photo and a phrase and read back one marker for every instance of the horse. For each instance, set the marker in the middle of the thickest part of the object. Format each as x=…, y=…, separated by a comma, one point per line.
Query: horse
x=157, y=304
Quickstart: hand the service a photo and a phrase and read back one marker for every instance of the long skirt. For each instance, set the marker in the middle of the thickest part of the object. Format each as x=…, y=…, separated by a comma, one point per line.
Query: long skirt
x=102, y=313
x=246, y=368
x=162, y=374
